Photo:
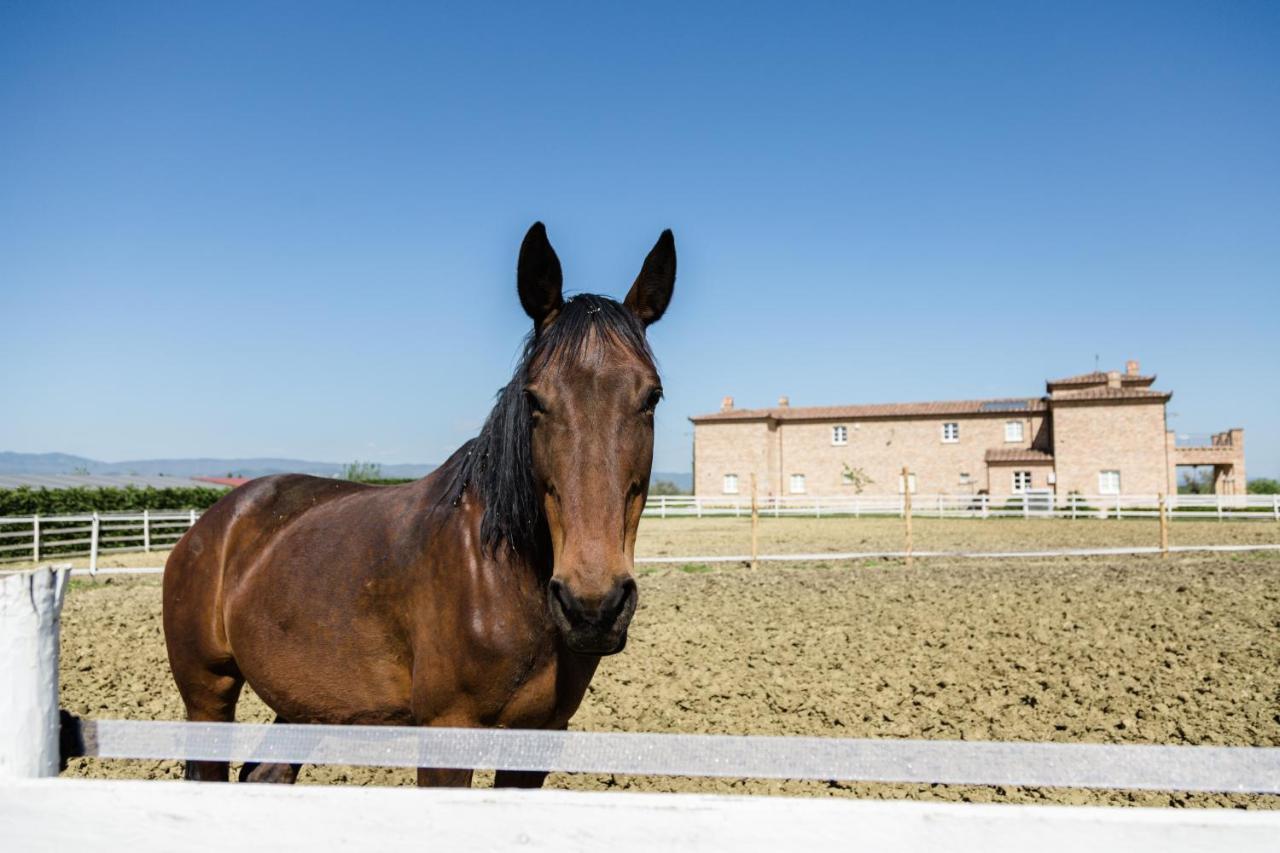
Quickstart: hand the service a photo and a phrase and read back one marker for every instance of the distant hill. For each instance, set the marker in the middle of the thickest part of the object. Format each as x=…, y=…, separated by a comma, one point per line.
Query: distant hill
x=65, y=463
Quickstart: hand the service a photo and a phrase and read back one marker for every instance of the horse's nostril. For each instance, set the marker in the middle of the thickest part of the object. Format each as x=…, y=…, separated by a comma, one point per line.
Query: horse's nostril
x=618, y=599
x=560, y=593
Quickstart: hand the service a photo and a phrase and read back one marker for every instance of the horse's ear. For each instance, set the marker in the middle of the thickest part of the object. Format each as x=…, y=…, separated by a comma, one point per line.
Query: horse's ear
x=538, y=277
x=651, y=293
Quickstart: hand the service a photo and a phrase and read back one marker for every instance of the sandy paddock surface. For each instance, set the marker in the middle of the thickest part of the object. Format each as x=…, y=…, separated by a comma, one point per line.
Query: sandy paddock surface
x=1103, y=650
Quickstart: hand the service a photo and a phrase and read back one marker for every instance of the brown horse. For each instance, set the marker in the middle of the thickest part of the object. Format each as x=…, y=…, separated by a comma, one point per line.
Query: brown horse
x=482, y=595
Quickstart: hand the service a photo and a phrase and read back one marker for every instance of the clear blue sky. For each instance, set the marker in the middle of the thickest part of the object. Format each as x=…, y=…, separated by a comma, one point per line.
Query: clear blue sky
x=290, y=229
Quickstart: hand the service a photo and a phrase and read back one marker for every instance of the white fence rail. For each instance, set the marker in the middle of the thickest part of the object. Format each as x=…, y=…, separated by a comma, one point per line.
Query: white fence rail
x=1028, y=505
x=36, y=538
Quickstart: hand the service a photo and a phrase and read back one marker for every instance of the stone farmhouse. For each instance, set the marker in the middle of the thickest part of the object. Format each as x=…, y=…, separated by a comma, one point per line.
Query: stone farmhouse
x=1096, y=433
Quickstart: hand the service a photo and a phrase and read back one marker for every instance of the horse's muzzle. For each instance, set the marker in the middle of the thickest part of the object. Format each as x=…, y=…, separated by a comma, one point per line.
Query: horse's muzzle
x=593, y=627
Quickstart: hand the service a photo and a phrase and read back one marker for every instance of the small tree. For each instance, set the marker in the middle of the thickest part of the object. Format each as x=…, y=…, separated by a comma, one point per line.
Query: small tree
x=664, y=487
x=857, y=478
x=363, y=472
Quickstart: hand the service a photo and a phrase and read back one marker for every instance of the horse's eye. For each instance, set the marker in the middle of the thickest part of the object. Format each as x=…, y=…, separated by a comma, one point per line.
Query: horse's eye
x=651, y=402
x=535, y=405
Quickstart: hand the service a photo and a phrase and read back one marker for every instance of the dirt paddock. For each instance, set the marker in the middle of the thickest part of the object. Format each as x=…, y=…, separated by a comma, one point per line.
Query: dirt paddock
x=1099, y=650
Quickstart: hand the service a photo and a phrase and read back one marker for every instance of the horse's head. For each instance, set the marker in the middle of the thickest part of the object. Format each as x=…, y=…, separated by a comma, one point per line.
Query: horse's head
x=590, y=388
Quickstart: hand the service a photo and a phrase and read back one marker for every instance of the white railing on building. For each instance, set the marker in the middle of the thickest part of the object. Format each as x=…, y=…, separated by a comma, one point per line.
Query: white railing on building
x=36, y=538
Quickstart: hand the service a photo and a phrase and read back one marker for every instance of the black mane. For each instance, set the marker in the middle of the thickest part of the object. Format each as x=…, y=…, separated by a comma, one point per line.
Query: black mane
x=497, y=465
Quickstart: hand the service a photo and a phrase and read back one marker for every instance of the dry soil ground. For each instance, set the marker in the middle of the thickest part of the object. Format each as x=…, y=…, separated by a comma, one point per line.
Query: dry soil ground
x=1116, y=650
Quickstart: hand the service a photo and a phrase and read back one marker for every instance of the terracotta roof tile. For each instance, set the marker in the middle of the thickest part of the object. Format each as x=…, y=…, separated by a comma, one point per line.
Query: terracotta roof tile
x=1099, y=377
x=1001, y=407
x=1110, y=394
x=1018, y=454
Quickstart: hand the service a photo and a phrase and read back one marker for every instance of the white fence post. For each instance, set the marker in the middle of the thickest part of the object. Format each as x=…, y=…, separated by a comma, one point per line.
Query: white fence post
x=35, y=538
x=1075, y=499
x=146, y=531
x=192, y=523
x=817, y=507
x=986, y=505
x=1026, y=505
x=1219, y=507
x=94, y=530
x=1119, y=511
x=1275, y=506
x=30, y=603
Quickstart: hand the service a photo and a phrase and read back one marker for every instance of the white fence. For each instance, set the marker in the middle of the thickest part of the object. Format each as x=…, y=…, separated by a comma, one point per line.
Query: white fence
x=166, y=815
x=1028, y=505
x=35, y=538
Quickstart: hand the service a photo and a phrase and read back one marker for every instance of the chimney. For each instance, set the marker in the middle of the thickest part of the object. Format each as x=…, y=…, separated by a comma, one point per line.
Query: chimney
x=1131, y=367
x=784, y=402
x=726, y=405
x=1113, y=379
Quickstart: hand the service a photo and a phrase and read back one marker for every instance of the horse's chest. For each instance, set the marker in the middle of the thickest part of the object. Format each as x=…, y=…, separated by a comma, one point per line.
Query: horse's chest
x=549, y=696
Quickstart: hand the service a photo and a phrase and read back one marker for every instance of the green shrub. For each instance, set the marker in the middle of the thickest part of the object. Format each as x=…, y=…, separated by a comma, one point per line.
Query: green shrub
x=28, y=501
x=1264, y=486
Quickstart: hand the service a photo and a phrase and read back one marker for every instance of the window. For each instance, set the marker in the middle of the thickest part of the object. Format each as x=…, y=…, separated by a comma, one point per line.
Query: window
x=797, y=484
x=1013, y=430
x=912, y=484
x=950, y=432
x=964, y=478
x=730, y=484
x=1108, y=482
x=1021, y=481
x=839, y=435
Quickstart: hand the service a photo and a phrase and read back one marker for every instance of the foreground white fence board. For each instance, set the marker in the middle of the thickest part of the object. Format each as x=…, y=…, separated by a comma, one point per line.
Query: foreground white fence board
x=1147, y=766
x=59, y=815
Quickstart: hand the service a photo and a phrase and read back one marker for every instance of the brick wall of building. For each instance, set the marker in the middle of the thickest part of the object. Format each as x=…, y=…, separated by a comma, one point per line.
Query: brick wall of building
x=743, y=448
x=879, y=447
x=1127, y=436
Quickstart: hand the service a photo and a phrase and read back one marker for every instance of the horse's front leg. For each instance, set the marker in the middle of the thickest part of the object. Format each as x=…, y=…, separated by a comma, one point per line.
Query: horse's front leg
x=444, y=777
x=435, y=777
x=519, y=778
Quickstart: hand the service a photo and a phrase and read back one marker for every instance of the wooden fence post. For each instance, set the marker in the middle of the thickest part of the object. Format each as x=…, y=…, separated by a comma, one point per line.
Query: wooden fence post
x=95, y=527
x=906, y=508
x=30, y=603
x=1164, y=527
x=755, y=526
